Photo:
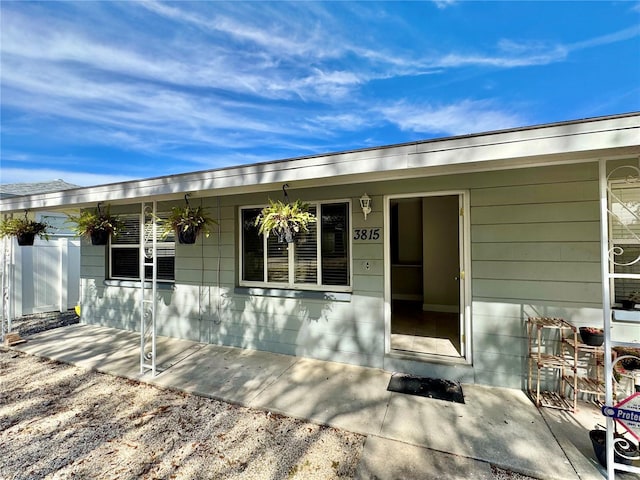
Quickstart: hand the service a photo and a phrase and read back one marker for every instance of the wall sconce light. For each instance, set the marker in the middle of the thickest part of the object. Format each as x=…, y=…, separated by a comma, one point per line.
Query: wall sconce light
x=365, y=204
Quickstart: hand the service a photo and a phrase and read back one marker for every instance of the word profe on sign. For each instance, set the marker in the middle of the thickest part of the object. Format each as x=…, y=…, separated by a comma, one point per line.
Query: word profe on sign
x=626, y=413
x=622, y=414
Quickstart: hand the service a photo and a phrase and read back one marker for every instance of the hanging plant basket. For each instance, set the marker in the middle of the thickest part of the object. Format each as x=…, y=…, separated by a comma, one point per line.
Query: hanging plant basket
x=188, y=236
x=285, y=235
x=187, y=223
x=24, y=229
x=96, y=225
x=99, y=237
x=25, y=239
x=284, y=220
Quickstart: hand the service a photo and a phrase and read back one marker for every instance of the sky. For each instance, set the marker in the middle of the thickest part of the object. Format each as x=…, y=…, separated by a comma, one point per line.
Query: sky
x=97, y=92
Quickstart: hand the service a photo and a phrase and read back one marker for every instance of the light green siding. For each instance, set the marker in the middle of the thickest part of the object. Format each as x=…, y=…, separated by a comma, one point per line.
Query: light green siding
x=535, y=251
x=534, y=243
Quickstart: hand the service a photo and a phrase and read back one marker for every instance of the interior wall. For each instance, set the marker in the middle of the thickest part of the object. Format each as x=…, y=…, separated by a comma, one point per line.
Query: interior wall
x=407, y=262
x=441, y=259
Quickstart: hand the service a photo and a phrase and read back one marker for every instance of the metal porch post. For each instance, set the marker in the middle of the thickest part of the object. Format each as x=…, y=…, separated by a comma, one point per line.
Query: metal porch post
x=148, y=259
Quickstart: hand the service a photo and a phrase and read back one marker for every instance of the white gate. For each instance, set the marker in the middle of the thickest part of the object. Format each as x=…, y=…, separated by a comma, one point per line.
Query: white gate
x=44, y=277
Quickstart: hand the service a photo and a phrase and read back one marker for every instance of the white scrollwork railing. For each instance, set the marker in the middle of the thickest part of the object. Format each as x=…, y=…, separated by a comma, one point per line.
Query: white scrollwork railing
x=616, y=252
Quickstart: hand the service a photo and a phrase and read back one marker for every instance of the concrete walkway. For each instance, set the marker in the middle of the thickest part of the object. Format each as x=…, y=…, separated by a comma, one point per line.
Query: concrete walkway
x=408, y=437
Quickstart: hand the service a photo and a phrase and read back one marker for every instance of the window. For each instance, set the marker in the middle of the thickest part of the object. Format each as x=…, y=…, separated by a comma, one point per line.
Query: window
x=624, y=228
x=125, y=252
x=58, y=226
x=317, y=259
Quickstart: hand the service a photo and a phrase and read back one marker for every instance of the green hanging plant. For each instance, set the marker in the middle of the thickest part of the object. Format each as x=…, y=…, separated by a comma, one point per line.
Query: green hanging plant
x=96, y=225
x=284, y=220
x=187, y=223
x=24, y=229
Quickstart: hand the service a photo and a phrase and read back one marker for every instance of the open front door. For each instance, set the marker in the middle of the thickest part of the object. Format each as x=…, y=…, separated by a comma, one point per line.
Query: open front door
x=426, y=266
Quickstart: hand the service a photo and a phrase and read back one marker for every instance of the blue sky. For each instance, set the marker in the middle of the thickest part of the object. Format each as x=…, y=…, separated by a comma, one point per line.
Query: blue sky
x=98, y=92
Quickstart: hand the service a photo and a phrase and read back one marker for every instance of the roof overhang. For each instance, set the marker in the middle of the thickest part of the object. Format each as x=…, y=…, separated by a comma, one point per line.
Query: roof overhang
x=568, y=142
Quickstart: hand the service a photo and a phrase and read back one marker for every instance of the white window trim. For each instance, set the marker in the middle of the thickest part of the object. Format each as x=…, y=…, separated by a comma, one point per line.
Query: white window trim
x=111, y=246
x=291, y=263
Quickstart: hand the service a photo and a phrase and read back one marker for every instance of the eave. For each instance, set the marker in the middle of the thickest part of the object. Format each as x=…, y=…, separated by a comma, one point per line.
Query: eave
x=567, y=142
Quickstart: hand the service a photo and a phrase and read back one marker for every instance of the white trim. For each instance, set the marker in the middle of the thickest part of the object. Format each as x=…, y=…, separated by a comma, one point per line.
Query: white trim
x=465, y=251
x=291, y=260
x=131, y=246
x=465, y=258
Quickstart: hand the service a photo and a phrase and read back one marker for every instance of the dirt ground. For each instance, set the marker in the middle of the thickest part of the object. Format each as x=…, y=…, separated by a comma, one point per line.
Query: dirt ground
x=58, y=421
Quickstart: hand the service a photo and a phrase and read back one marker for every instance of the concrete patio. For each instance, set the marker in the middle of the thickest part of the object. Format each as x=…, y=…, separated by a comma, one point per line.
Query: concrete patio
x=408, y=436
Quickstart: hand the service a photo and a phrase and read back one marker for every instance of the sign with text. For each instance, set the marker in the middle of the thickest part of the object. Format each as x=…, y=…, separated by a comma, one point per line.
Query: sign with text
x=626, y=413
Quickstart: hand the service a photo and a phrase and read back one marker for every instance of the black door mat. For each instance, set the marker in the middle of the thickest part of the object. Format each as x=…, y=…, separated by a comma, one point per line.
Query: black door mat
x=426, y=387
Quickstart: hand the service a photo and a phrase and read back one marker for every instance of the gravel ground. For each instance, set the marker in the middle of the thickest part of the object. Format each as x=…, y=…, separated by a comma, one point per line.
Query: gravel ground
x=39, y=322
x=58, y=422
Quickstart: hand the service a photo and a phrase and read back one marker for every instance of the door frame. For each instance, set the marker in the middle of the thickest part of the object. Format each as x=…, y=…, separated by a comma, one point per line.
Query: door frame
x=464, y=226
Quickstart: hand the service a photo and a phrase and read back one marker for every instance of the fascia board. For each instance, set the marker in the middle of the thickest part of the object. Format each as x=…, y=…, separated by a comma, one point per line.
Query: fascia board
x=546, y=144
x=500, y=148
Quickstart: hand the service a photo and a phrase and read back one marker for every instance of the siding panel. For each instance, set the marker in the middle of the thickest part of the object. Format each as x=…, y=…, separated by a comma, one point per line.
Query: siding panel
x=536, y=232
x=527, y=291
x=540, y=271
x=536, y=213
x=535, y=194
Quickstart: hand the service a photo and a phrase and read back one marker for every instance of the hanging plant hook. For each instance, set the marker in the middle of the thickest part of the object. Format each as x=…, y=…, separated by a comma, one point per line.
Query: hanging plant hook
x=26, y=214
x=284, y=190
x=98, y=208
x=186, y=199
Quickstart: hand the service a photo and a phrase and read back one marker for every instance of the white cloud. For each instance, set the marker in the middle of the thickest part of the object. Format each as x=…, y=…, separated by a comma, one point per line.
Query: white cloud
x=614, y=37
x=230, y=75
x=465, y=117
x=442, y=4
x=340, y=122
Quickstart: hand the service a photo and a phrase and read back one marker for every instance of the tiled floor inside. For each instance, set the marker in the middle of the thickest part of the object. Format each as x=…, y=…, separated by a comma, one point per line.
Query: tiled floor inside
x=415, y=330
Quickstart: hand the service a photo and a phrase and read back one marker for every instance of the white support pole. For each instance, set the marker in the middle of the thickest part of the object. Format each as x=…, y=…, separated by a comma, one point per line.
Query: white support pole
x=148, y=258
x=6, y=284
x=606, y=307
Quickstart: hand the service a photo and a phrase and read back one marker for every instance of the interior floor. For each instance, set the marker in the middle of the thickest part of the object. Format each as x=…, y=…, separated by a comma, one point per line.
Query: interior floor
x=418, y=331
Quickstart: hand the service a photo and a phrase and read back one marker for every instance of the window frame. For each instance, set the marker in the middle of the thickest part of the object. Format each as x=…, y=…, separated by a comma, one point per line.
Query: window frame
x=291, y=285
x=111, y=246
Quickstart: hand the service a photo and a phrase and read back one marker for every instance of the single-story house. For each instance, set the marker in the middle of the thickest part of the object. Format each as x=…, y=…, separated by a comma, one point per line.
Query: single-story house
x=467, y=237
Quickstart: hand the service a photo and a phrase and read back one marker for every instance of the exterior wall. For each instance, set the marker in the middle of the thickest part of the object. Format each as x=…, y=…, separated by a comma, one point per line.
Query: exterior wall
x=534, y=247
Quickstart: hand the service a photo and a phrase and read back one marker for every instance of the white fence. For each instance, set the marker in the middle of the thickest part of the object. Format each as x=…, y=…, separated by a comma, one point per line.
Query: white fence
x=41, y=278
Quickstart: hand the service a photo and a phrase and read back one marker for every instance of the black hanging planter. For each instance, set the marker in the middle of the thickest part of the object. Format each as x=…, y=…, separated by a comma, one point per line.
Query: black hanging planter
x=25, y=239
x=99, y=237
x=188, y=236
x=285, y=235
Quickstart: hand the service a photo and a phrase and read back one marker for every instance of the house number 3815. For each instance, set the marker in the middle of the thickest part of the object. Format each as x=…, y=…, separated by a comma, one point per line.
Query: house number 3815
x=366, y=234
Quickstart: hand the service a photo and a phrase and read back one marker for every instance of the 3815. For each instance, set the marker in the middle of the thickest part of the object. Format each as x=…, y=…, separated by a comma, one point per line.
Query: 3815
x=366, y=234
